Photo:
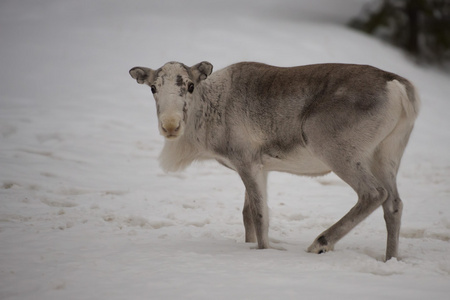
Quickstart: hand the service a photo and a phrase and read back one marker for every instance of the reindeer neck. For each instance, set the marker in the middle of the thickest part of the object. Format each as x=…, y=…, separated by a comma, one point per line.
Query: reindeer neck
x=204, y=116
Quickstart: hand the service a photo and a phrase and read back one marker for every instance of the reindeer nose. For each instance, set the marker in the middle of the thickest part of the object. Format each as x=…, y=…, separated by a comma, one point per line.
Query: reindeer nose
x=171, y=128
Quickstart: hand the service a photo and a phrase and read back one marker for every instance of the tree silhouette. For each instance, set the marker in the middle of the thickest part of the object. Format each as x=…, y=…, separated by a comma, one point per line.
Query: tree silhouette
x=421, y=27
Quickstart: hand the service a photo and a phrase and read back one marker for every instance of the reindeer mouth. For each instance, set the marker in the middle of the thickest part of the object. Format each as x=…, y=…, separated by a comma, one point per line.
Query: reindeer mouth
x=171, y=137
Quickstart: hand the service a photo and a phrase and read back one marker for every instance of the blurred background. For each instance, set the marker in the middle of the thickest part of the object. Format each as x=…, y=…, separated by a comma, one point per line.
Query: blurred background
x=421, y=27
x=86, y=212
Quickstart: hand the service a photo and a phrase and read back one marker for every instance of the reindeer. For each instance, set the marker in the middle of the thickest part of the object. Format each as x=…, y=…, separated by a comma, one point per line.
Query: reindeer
x=354, y=120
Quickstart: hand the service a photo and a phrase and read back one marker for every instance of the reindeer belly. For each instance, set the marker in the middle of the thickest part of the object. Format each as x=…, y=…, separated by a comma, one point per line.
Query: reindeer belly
x=299, y=162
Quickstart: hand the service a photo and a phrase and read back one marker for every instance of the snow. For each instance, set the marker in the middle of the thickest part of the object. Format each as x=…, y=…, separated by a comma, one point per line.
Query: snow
x=86, y=212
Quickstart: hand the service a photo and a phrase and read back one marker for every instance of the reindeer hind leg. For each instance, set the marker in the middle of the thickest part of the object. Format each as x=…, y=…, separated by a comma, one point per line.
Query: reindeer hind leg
x=371, y=194
x=385, y=167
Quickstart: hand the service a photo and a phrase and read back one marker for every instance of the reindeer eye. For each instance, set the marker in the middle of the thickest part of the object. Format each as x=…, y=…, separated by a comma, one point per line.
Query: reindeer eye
x=153, y=89
x=190, y=87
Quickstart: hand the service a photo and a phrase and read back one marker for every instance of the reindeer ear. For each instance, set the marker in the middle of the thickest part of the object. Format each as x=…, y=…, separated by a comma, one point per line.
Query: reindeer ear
x=201, y=70
x=143, y=75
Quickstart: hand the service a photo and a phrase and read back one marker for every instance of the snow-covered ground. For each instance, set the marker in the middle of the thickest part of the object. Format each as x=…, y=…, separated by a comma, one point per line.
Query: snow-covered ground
x=86, y=213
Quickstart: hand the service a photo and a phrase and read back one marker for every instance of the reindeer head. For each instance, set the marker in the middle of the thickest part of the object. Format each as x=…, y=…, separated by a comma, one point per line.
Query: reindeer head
x=173, y=86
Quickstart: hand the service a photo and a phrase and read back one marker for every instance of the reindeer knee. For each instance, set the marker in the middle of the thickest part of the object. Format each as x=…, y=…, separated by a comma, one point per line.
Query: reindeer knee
x=393, y=207
x=381, y=194
x=374, y=197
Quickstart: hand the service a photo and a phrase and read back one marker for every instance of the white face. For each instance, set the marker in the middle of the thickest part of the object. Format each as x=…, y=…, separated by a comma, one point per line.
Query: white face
x=172, y=90
x=173, y=86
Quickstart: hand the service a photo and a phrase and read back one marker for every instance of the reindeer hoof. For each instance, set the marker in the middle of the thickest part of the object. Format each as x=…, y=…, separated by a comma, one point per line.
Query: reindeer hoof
x=320, y=245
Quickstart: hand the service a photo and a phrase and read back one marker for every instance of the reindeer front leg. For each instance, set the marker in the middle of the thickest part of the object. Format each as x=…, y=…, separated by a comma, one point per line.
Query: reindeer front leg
x=256, y=215
x=249, y=226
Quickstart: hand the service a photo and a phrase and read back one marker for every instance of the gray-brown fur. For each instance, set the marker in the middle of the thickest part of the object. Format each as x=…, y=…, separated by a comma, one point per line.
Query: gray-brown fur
x=353, y=120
